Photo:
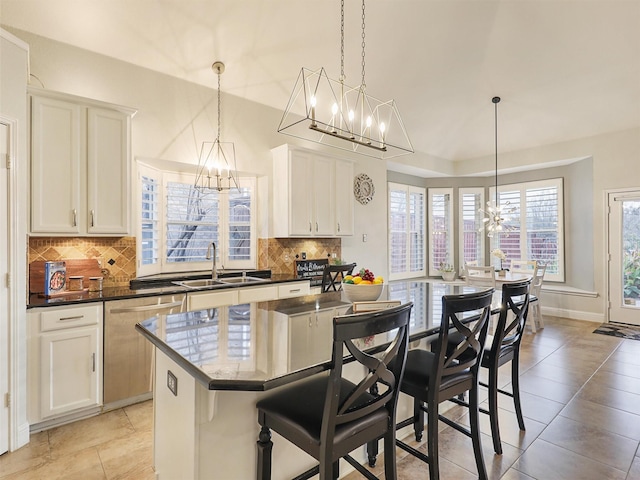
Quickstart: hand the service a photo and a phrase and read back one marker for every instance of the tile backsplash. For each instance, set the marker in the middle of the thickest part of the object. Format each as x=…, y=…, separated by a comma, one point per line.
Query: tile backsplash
x=117, y=256
x=279, y=254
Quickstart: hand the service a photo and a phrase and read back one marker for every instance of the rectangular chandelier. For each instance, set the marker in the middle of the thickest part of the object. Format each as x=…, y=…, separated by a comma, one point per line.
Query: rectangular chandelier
x=329, y=112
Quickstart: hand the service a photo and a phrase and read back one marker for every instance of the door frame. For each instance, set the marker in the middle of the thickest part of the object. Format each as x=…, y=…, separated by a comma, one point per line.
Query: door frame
x=609, y=197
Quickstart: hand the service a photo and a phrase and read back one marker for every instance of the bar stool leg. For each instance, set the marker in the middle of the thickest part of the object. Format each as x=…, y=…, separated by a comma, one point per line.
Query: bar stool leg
x=265, y=445
x=515, y=383
x=493, y=410
x=475, y=433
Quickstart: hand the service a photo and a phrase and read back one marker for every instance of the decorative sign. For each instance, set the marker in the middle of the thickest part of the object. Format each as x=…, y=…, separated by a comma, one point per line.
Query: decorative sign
x=363, y=188
x=310, y=268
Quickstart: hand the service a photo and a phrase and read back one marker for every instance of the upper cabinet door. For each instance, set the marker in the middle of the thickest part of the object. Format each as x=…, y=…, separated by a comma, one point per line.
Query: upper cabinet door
x=108, y=172
x=301, y=182
x=344, y=198
x=323, y=197
x=57, y=147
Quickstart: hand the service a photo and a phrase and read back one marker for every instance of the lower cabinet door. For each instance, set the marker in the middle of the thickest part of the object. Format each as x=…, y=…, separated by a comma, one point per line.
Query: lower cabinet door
x=69, y=364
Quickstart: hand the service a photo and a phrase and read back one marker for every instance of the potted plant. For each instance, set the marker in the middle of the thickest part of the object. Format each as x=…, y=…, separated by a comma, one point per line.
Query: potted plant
x=499, y=254
x=447, y=271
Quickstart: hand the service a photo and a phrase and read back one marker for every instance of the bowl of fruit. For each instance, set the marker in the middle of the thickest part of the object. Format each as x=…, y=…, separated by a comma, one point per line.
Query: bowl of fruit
x=363, y=286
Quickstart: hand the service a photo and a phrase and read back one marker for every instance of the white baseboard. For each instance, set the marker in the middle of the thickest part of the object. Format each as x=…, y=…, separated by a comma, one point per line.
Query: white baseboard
x=573, y=314
x=21, y=437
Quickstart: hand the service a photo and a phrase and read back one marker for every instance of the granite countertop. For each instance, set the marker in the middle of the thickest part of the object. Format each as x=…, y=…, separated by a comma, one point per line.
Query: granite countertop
x=153, y=286
x=262, y=345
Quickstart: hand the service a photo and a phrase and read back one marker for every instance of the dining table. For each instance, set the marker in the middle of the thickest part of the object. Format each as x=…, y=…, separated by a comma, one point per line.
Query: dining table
x=213, y=365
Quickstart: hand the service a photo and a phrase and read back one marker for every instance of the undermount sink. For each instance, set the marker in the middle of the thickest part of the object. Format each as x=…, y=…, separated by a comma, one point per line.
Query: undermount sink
x=242, y=280
x=208, y=282
x=199, y=283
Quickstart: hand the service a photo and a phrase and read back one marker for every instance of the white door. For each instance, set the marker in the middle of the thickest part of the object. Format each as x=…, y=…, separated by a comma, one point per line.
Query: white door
x=4, y=291
x=624, y=258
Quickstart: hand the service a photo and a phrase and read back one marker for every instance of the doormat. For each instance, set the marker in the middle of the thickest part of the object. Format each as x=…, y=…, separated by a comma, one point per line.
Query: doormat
x=619, y=330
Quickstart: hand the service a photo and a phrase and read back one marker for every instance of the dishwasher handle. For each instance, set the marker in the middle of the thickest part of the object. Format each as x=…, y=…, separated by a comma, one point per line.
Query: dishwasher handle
x=144, y=308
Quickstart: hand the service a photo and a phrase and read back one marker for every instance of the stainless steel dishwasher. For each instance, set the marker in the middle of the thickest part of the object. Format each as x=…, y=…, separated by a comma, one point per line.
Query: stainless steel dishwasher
x=128, y=356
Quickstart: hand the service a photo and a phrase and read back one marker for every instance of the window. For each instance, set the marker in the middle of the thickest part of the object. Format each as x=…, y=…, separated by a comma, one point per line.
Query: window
x=471, y=241
x=178, y=223
x=440, y=228
x=535, y=226
x=406, y=231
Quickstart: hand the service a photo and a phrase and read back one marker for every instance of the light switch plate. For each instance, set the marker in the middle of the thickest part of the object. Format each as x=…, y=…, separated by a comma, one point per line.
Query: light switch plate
x=172, y=383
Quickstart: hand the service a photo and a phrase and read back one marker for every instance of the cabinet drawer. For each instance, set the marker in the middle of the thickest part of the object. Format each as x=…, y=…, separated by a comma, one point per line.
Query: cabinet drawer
x=70, y=317
x=260, y=294
x=297, y=289
x=200, y=301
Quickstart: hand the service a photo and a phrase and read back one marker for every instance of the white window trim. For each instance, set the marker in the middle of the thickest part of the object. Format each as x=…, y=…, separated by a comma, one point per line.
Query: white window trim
x=433, y=270
x=407, y=274
x=222, y=246
x=461, y=192
x=522, y=187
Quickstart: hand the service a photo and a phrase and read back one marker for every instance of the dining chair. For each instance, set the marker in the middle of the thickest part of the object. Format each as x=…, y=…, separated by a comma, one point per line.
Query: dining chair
x=432, y=377
x=536, y=289
x=502, y=348
x=332, y=276
x=523, y=266
x=483, y=276
x=329, y=416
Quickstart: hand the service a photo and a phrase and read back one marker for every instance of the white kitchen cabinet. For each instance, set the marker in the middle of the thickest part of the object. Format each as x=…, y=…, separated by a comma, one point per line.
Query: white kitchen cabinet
x=235, y=296
x=344, y=198
x=294, y=289
x=305, y=200
x=65, y=361
x=211, y=299
x=80, y=166
x=308, y=333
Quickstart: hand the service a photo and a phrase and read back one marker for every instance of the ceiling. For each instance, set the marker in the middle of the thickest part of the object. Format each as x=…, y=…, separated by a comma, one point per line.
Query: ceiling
x=564, y=69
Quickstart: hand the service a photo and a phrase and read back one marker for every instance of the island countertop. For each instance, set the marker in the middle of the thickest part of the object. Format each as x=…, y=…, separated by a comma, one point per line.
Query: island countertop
x=263, y=345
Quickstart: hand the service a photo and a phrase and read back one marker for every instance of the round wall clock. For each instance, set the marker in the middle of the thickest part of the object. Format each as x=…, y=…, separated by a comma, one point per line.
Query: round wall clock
x=363, y=188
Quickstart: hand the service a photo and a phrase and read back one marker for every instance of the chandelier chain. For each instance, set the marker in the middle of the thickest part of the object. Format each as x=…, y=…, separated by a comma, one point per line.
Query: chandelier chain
x=363, y=43
x=342, y=41
x=219, y=107
x=495, y=103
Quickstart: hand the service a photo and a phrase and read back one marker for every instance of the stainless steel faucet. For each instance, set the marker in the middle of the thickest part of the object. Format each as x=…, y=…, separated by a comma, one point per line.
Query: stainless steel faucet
x=214, y=270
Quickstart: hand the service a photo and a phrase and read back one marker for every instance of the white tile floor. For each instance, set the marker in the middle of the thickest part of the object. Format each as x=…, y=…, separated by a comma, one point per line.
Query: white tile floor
x=581, y=400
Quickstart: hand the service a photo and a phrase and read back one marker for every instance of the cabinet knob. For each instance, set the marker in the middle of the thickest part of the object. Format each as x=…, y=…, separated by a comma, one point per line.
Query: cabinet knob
x=75, y=217
x=310, y=227
x=316, y=226
x=92, y=215
x=338, y=227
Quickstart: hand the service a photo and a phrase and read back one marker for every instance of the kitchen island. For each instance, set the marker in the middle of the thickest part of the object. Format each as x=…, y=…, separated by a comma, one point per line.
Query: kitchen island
x=213, y=365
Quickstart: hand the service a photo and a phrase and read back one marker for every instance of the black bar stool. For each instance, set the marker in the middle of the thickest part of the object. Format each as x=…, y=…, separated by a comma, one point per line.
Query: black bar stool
x=432, y=377
x=502, y=348
x=329, y=416
x=332, y=276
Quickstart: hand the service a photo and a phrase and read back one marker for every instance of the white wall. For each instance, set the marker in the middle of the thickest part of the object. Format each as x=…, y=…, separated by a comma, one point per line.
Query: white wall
x=13, y=65
x=174, y=117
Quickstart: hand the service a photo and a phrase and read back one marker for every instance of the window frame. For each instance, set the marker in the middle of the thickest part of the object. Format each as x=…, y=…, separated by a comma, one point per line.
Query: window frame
x=462, y=191
x=522, y=188
x=408, y=190
x=451, y=232
x=162, y=266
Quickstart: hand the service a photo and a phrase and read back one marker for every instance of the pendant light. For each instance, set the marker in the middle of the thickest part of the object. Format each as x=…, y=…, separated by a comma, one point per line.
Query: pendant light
x=217, y=161
x=329, y=112
x=494, y=222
